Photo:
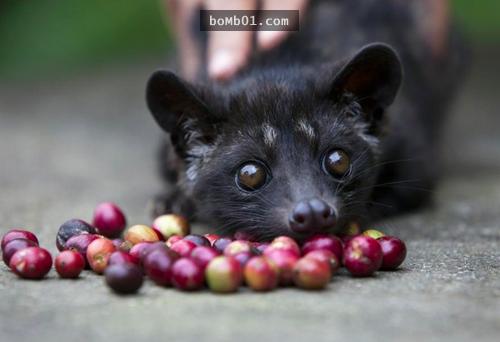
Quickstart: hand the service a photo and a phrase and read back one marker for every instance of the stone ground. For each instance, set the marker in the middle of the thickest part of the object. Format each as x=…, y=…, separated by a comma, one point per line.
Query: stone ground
x=68, y=144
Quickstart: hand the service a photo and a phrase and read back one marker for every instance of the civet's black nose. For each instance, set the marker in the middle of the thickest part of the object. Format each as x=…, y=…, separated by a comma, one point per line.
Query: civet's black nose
x=312, y=215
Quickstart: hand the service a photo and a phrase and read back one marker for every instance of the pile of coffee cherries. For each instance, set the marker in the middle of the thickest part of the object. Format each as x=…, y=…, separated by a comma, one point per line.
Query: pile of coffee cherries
x=169, y=255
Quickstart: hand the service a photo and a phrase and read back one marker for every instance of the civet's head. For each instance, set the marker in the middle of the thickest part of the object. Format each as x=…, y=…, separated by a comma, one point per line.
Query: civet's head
x=284, y=151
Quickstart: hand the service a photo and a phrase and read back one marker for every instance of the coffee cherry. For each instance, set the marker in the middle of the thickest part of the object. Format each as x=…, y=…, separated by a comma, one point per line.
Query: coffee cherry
x=122, y=245
x=31, y=262
x=362, y=256
x=242, y=257
x=285, y=261
x=159, y=234
x=15, y=245
x=311, y=274
x=393, y=251
x=72, y=228
x=98, y=253
x=173, y=239
x=325, y=256
x=202, y=255
x=14, y=234
x=285, y=243
x=80, y=244
x=352, y=228
x=373, y=233
x=124, y=278
x=158, y=265
x=119, y=257
x=221, y=244
x=350, y=231
x=198, y=240
x=140, y=250
x=118, y=243
x=236, y=247
x=241, y=250
x=69, y=264
x=172, y=224
x=183, y=247
x=261, y=274
x=109, y=220
x=211, y=238
x=324, y=241
x=187, y=275
x=140, y=233
x=223, y=274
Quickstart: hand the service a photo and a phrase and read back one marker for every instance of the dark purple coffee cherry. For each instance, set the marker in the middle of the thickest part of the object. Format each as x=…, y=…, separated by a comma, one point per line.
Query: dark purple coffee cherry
x=71, y=228
x=18, y=234
x=15, y=245
x=80, y=243
x=198, y=240
x=221, y=243
x=124, y=278
x=158, y=265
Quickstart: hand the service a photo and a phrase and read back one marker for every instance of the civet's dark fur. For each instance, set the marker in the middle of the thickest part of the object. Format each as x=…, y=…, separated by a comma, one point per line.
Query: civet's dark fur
x=324, y=87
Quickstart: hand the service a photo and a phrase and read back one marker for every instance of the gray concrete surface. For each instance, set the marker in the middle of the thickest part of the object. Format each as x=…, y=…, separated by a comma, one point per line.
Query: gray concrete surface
x=66, y=145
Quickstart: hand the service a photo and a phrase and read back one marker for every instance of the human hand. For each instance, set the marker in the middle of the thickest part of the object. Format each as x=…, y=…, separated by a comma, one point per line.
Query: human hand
x=228, y=51
x=435, y=27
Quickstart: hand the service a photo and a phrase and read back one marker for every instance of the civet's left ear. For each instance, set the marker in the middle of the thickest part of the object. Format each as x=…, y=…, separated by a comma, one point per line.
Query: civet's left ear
x=373, y=75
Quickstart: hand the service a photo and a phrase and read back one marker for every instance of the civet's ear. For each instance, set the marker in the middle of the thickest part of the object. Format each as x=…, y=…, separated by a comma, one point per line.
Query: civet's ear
x=179, y=111
x=170, y=100
x=373, y=75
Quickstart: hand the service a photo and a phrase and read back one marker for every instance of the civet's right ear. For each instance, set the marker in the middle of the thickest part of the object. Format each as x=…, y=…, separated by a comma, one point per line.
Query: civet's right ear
x=179, y=111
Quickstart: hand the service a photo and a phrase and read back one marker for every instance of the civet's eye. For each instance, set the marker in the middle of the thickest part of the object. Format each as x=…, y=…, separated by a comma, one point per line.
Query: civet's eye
x=336, y=162
x=251, y=176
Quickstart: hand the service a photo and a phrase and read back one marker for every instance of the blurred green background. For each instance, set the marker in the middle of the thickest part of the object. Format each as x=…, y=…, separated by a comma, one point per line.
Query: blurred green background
x=42, y=38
